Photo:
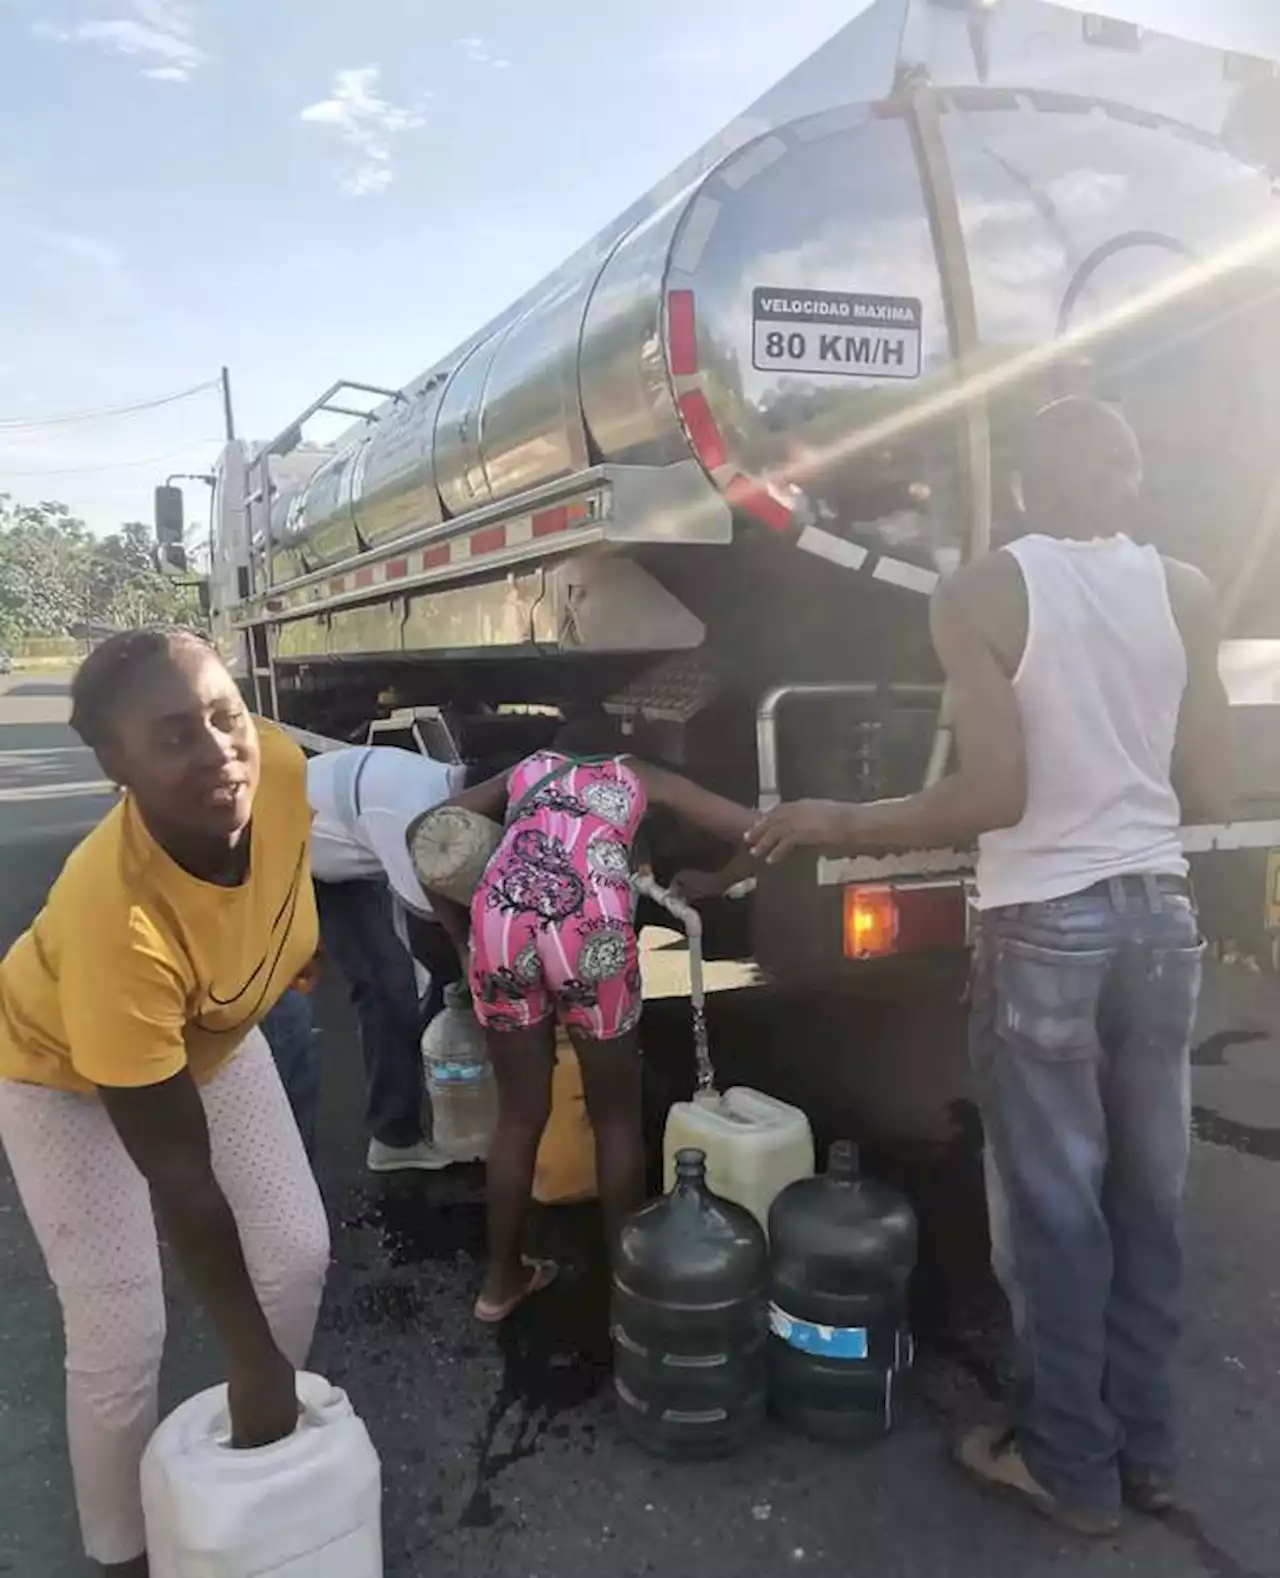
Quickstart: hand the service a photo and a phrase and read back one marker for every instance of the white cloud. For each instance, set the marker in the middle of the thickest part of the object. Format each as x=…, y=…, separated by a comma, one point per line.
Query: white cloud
x=90, y=252
x=368, y=125
x=479, y=54
x=160, y=35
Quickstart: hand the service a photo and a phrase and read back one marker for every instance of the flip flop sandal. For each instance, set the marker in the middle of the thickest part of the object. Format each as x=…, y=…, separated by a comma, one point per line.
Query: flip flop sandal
x=542, y=1273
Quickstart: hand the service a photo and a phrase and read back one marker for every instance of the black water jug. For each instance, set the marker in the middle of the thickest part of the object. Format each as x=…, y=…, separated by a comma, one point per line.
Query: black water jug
x=689, y=1321
x=842, y=1249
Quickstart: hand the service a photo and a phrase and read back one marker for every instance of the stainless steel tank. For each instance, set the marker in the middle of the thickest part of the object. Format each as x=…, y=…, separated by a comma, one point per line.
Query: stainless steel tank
x=783, y=319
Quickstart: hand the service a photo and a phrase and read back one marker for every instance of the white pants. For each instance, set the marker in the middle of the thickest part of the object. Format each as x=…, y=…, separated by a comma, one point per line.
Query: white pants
x=91, y=1211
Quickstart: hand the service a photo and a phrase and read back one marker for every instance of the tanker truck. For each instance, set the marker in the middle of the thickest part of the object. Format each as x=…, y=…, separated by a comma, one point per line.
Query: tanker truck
x=707, y=474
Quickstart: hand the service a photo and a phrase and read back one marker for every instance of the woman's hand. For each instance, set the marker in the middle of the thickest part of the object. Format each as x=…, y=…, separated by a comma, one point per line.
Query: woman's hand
x=263, y=1397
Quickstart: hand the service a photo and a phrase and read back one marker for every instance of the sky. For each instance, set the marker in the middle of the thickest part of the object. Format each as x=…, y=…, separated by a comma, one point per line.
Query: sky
x=305, y=190
x=311, y=189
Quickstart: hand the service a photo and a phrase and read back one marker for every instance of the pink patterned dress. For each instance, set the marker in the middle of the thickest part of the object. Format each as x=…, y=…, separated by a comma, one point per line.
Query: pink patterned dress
x=553, y=920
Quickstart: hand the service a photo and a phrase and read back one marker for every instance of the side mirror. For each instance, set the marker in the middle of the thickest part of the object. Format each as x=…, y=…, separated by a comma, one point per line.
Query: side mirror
x=171, y=524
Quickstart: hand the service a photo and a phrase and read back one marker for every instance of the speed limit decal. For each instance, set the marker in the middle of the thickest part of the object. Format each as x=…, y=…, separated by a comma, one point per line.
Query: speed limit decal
x=836, y=333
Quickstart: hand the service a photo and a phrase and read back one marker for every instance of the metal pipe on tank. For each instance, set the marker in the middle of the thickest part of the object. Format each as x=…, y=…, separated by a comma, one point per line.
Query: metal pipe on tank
x=771, y=704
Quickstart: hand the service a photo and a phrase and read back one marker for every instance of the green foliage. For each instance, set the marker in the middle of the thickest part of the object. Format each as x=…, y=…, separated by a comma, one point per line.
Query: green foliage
x=55, y=576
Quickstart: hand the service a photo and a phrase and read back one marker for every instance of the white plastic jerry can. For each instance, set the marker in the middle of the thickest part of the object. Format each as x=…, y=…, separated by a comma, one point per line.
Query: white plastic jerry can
x=307, y=1507
x=755, y=1145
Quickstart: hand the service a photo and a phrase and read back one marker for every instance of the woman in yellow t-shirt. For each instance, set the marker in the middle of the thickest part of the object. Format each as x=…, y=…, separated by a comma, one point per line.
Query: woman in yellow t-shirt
x=133, y=1074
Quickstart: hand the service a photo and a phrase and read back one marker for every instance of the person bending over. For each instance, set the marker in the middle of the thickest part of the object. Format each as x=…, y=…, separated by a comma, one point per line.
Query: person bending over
x=552, y=935
x=134, y=1082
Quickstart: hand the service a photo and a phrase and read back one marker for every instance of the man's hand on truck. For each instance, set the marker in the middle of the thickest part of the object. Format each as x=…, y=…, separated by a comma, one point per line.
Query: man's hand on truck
x=978, y=622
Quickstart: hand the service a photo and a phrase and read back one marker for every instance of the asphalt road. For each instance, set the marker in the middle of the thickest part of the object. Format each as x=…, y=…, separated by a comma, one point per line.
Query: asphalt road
x=500, y=1455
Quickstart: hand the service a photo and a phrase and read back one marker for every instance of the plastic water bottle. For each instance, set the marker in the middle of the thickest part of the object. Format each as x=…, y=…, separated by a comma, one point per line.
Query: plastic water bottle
x=464, y=1099
x=688, y=1321
x=309, y=1506
x=842, y=1250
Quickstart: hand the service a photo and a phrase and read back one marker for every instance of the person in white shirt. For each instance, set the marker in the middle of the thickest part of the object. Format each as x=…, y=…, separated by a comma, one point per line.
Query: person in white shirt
x=1090, y=721
x=363, y=799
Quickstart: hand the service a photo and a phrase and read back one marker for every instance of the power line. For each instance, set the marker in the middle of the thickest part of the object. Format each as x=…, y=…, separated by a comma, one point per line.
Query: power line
x=114, y=465
x=14, y=424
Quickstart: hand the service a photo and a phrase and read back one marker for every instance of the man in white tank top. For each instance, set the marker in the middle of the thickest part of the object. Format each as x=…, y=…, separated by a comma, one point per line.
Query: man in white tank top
x=1090, y=722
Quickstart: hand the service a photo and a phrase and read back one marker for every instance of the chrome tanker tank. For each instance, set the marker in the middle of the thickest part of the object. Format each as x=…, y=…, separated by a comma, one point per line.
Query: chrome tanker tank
x=789, y=319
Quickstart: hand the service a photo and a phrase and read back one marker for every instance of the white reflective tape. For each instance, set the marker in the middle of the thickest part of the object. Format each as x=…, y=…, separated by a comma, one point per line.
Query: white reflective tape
x=835, y=872
x=826, y=545
x=698, y=225
x=755, y=160
x=911, y=577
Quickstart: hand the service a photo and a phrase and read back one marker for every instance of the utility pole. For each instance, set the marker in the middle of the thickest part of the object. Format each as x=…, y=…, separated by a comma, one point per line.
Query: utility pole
x=228, y=415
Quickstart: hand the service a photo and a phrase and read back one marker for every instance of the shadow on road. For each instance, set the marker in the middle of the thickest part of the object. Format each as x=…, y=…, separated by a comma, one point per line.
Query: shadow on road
x=37, y=735
x=40, y=687
x=38, y=768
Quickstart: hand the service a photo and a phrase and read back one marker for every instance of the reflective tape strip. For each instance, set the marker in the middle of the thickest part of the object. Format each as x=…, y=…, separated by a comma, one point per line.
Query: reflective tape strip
x=698, y=225
x=836, y=550
x=910, y=577
x=755, y=160
x=459, y=550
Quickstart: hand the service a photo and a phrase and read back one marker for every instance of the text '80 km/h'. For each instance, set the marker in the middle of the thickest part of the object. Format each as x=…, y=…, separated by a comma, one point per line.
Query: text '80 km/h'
x=836, y=333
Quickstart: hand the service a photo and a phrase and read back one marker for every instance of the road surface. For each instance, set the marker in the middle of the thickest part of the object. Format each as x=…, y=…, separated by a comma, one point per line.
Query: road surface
x=501, y=1459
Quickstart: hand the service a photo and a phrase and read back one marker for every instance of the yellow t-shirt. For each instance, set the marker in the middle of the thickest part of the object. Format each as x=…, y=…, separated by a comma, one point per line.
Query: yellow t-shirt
x=135, y=969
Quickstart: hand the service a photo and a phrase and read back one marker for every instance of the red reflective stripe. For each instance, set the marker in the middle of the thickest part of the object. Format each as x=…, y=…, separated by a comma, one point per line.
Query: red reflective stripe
x=337, y=587
x=364, y=577
x=682, y=334
x=489, y=540
x=397, y=569
x=757, y=501
x=704, y=434
x=432, y=558
x=577, y=512
x=547, y=522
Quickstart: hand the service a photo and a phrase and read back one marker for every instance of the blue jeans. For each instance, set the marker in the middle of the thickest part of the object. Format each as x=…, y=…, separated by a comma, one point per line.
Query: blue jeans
x=359, y=936
x=297, y=1058
x=1082, y=1020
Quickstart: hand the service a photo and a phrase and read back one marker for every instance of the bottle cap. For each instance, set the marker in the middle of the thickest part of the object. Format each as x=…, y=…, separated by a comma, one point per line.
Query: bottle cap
x=842, y=1162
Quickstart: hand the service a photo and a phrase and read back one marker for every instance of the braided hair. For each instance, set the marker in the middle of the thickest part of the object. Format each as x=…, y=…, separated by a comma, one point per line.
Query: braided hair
x=101, y=684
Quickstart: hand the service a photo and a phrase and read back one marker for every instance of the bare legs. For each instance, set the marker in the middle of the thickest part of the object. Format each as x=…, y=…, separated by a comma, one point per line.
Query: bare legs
x=523, y=1061
x=611, y=1085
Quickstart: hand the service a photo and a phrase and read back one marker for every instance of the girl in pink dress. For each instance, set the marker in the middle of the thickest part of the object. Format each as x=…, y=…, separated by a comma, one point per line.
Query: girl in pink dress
x=552, y=936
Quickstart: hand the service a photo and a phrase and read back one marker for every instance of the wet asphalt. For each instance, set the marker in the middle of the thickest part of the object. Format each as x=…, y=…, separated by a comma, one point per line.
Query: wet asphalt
x=500, y=1455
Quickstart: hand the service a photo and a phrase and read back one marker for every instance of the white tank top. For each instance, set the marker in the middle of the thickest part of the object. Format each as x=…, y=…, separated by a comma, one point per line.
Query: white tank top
x=1100, y=687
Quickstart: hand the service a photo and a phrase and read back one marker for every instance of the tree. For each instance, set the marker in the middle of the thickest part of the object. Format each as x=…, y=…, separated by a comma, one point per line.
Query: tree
x=44, y=554
x=56, y=576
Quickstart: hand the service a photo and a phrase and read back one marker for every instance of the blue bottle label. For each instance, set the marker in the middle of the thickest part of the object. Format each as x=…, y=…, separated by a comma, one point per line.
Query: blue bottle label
x=457, y=1073
x=825, y=1342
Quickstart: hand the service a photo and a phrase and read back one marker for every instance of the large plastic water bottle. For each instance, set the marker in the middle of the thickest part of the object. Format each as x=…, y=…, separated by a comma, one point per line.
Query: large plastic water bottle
x=464, y=1099
x=308, y=1507
x=842, y=1250
x=688, y=1321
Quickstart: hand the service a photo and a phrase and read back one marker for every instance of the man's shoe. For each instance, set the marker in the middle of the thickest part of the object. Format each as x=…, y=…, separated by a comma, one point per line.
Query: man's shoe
x=991, y=1457
x=420, y=1158
x=1148, y=1491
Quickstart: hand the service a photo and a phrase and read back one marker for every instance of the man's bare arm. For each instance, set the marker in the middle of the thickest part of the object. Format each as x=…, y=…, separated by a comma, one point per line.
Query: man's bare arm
x=1204, y=775
x=989, y=788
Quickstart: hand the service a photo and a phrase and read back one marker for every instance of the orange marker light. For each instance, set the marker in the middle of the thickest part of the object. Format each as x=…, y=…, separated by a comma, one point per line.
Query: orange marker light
x=870, y=923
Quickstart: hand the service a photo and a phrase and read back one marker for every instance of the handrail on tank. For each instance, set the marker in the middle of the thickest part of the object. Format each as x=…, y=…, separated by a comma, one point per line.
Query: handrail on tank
x=771, y=704
x=290, y=436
